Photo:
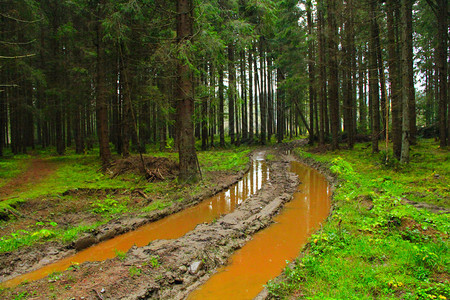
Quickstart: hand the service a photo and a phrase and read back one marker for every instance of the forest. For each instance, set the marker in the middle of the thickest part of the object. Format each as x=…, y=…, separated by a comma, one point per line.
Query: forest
x=169, y=149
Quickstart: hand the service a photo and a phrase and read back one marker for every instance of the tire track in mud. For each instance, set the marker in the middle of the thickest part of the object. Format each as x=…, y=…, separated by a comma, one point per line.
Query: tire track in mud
x=163, y=269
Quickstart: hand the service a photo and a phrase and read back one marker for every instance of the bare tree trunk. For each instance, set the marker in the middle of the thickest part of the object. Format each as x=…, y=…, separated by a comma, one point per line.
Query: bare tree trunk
x=280, y=108
x=221, y=108
x=262, y=97
x=311, y=71
x=441, y=63
x=231, y=93
x=333, y=74
x=407, y=73
x=250, y=94
x=189, y=168
x=322, y=79
x=373, y=78
x=101, y=92
x=394, y=75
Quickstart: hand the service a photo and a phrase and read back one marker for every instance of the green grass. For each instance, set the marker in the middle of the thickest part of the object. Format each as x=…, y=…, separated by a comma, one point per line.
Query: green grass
x=10, y=168
x=225, y=160
x=81, y=171
x=390, y=251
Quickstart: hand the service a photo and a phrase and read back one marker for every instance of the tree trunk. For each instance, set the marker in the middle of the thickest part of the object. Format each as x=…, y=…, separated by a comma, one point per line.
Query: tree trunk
x=407, y=73
x=373, y=78
x=231, y=93
x=250, y=94
x=348, y=75
x=333, y=74
x=311, y=70
x=101, y=92
x=221, y=109
x=394, y=76
x=189, y=168
x=280, y=108
x=262, y=97
x=322, y=79
x=441, y=63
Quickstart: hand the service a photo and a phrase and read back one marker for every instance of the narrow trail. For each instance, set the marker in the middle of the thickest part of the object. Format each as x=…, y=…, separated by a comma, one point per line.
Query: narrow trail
x=37, y=171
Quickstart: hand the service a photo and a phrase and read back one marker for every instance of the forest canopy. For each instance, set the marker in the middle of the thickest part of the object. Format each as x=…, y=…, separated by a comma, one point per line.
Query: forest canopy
x=129, y=73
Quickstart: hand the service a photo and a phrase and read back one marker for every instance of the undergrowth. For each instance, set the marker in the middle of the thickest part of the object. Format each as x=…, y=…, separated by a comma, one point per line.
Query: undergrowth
x=375, y=246
x=82, y=172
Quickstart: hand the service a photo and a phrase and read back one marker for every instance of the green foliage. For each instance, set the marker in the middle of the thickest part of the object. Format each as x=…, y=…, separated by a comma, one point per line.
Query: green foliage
x=154, y=262
x=108, y=206
x=227, y=160
x=375, y=245
x=120, y=254
x=134, y=271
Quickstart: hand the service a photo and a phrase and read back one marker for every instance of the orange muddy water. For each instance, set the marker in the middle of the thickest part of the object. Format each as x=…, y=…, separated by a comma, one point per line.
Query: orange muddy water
x=170, y=227
x=264, y=257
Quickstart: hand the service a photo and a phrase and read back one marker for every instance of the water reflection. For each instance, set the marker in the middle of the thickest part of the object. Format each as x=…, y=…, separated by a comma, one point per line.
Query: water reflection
x=264, y=256
x=171, y=227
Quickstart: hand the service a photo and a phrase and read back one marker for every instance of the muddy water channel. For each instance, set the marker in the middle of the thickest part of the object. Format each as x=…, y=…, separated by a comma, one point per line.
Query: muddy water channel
x=265, y=255
x=171, y=227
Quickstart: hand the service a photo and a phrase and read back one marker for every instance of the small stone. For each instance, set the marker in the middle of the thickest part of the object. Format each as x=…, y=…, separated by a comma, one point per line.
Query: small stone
x=195, y=267
x=183, y=269
x=103, y=290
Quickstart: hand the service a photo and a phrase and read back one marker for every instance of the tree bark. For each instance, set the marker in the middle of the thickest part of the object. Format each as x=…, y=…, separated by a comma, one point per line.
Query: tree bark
x=231, y=93
x=322, y=79
x=373, y=78
x=333, y=91
x=101, y=91
x=442, y=67
x=221, y=109
x=394, y=76
x=407, y=73
x=189, y=168
x=311, y=70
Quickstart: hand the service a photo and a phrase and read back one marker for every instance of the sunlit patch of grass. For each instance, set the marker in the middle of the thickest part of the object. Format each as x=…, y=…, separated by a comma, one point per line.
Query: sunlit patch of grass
x=389, y=250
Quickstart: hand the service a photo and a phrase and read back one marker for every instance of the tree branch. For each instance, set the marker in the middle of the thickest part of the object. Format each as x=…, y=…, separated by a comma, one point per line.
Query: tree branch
x=433, y=5
x=19, y=20
x=17, y=57
x=17, y=43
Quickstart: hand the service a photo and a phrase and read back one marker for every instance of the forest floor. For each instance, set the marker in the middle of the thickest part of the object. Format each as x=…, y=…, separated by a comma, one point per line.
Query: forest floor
x=37, y=170
x=388, y=234
x=51, y=217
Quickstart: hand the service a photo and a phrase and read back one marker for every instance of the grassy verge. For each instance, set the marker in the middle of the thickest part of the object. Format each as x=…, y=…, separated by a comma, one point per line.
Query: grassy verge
x=375, y=246
x=81, y=172
x=10, y=168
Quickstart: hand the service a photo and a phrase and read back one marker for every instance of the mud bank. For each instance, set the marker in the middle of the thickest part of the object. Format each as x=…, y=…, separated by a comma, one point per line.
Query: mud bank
x=31, y=258
x=170, y=269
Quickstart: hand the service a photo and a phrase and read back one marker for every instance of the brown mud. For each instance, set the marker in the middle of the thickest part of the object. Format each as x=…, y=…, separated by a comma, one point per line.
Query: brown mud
x=76, y=212
x=168, y=269
x=37, y=171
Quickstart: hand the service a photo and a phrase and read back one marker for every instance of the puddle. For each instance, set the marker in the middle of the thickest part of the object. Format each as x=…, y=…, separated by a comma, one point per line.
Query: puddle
x=170, y=227
x=264, y=257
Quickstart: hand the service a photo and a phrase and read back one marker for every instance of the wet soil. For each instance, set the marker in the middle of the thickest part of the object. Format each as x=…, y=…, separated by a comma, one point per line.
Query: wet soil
x=170, y=269
x=37, y=171
x=75, y=211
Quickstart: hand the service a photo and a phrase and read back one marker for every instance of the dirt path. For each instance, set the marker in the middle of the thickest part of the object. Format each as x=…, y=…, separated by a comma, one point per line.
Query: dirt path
x=37, y=171
x=170, y=269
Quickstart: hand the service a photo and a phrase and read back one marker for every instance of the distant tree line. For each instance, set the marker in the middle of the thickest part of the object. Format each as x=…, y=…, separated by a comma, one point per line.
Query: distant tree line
x=129, y=73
